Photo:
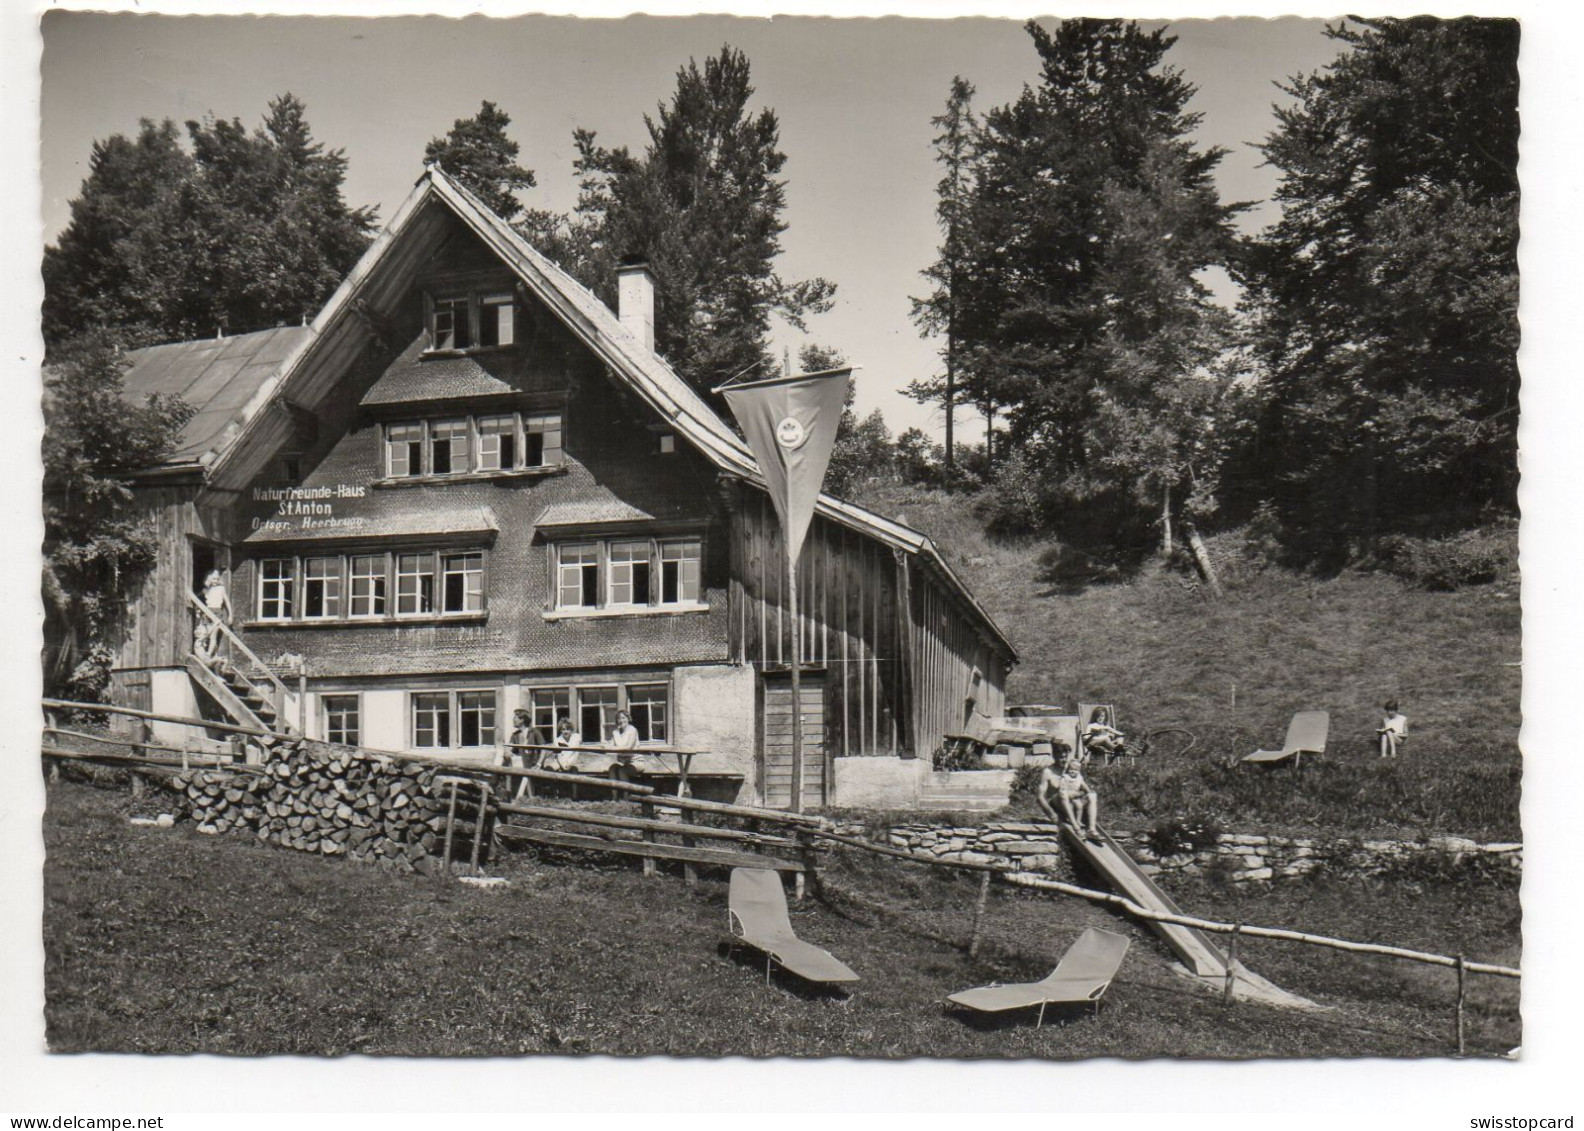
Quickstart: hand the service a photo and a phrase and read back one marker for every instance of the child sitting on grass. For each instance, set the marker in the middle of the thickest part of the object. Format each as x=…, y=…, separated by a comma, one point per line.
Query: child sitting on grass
x=1393, y=730
x=1080, y=804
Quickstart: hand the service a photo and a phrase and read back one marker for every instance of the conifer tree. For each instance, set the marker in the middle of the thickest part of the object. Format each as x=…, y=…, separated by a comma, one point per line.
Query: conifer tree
x=477, y=152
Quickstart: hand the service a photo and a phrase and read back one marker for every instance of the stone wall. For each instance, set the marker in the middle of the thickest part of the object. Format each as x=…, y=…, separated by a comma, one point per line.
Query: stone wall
x=1241, y=857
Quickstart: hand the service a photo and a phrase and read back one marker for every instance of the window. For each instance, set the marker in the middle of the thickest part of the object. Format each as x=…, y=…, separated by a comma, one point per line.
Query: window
x=543, y=435
x=506, y=442
x=629, y=574
x=680, y=567
x=404, y=450
x=431, y=719
x=578, y=579
x=321, y=587
x=497, y=325
x=497, y=443
x=550, y=705
x=448, y=447
x=451, y=324
x=646, y=703
x=442, y=719
x=475, y=718
x=367, y=577
x=335, y=587
x=341, y=719
x=593, y=710
x=667, y=443
x=462, y=580
x=597, y=707
x=414, y=584
x=275, y=589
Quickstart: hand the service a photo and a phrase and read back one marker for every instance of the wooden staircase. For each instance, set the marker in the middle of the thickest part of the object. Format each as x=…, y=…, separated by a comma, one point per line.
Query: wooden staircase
x=234, y=677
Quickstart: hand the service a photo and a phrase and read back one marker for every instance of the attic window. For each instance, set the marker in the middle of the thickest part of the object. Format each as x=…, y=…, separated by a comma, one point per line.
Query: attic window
x=667, y=443
x=450, y=330
x=497, y=324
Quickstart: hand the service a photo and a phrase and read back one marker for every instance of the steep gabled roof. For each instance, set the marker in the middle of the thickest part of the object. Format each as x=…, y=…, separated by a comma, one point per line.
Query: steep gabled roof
x=589, y=319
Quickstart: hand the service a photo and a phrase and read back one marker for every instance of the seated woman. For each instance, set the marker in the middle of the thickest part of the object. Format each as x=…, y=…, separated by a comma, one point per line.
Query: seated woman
x=565, y=735
x=1100, y=737
x=623, y=738
x=1080, y=804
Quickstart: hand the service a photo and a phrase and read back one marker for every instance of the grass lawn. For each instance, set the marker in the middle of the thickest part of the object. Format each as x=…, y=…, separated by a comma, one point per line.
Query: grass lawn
x=1234, y=670
x=168, y=941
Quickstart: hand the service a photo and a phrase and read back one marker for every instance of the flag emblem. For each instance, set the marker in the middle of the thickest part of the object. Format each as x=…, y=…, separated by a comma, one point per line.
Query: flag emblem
x=790, y=433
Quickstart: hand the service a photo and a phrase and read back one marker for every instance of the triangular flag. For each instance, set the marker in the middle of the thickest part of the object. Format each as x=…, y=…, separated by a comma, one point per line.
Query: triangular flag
x=790, y=423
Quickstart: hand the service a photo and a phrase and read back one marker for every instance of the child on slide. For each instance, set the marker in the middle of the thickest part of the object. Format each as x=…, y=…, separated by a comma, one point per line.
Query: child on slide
x=1080, y=804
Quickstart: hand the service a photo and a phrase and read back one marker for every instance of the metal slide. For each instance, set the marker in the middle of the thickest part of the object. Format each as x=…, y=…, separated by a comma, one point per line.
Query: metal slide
x=1200, y=955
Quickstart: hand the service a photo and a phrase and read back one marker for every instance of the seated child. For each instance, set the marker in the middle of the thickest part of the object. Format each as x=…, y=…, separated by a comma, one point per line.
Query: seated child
x=1100, y=737
x=1080, y=804
x=1393, y=731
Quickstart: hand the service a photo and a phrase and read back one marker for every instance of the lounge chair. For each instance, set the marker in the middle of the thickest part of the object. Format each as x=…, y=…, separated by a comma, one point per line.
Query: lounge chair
x=1306, y=734
x=1083, y=975
x=1086, y=714
x=758, y=916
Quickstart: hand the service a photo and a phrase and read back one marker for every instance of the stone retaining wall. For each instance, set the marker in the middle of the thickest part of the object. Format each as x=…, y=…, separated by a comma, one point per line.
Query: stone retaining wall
x=1244, y=857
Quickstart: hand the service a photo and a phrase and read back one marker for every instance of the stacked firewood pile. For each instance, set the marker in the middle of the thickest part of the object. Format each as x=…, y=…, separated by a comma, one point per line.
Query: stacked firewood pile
x=337, y=803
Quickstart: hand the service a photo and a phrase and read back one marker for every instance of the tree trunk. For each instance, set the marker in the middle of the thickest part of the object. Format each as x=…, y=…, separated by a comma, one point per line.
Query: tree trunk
x=1202, y=558
x=1166, y=524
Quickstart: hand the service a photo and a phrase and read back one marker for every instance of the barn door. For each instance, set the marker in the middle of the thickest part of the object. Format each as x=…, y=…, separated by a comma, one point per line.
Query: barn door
x=777, y=740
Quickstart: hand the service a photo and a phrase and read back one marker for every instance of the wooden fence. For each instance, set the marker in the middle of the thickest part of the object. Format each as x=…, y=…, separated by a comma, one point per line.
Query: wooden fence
x=789, y=849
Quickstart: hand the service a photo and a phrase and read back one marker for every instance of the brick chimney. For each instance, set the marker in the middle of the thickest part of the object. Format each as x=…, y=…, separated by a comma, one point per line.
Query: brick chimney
x=635, y=301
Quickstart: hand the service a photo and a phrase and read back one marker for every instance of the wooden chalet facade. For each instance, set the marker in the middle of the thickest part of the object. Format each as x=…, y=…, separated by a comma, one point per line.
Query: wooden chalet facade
x=470, y=487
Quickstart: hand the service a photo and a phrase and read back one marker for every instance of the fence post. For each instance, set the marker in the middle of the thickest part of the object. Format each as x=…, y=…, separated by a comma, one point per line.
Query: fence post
x=450, y=825
x=979, y=914
x=1462, y=976
x=478, y=826
x=1231, y=970
x=646, y=809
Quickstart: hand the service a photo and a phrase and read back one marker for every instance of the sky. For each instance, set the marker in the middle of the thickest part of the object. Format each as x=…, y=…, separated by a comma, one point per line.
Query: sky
x=854, y=99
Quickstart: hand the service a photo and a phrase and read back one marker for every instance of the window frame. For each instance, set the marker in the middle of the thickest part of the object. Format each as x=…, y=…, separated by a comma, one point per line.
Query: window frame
x=332, y=586
x=452, y=703
x=289, y=600
x=325, y=712
x=571, y=694
x=431, y=562
x=606, y=576
x=544, y=429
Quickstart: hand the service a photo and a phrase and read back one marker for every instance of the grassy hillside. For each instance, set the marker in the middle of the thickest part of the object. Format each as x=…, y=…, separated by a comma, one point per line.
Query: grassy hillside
x=172, y=942
x=1234, y=670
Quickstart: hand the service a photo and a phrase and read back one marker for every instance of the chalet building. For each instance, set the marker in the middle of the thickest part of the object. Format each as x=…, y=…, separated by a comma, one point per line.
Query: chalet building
x=470, y=487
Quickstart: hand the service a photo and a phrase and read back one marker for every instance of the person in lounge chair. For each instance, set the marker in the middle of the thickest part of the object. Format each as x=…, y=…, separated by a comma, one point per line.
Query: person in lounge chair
x=1079, y=803
x=1393, y=731
x=1100, y=737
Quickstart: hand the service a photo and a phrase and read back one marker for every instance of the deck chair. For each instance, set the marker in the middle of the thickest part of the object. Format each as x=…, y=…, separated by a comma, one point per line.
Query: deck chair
x=1083, y=975
x=757, y=915
x=1306, y=734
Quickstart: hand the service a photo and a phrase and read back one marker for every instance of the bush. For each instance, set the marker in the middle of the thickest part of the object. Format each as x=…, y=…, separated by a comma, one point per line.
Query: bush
x=1476, y=557
x=1184, y=837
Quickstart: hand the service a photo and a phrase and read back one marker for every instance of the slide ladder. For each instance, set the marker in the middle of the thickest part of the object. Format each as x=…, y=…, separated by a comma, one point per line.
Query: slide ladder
x=1201, y=956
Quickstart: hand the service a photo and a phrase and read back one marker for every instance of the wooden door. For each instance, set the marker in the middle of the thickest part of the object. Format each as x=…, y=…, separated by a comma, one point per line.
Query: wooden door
x=777, y=740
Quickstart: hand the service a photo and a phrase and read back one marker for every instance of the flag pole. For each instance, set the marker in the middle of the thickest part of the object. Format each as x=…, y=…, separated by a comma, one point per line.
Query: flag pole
x=797, y=692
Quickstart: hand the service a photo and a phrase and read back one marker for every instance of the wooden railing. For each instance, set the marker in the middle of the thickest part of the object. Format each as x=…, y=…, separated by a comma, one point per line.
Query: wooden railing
x=235, y=648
